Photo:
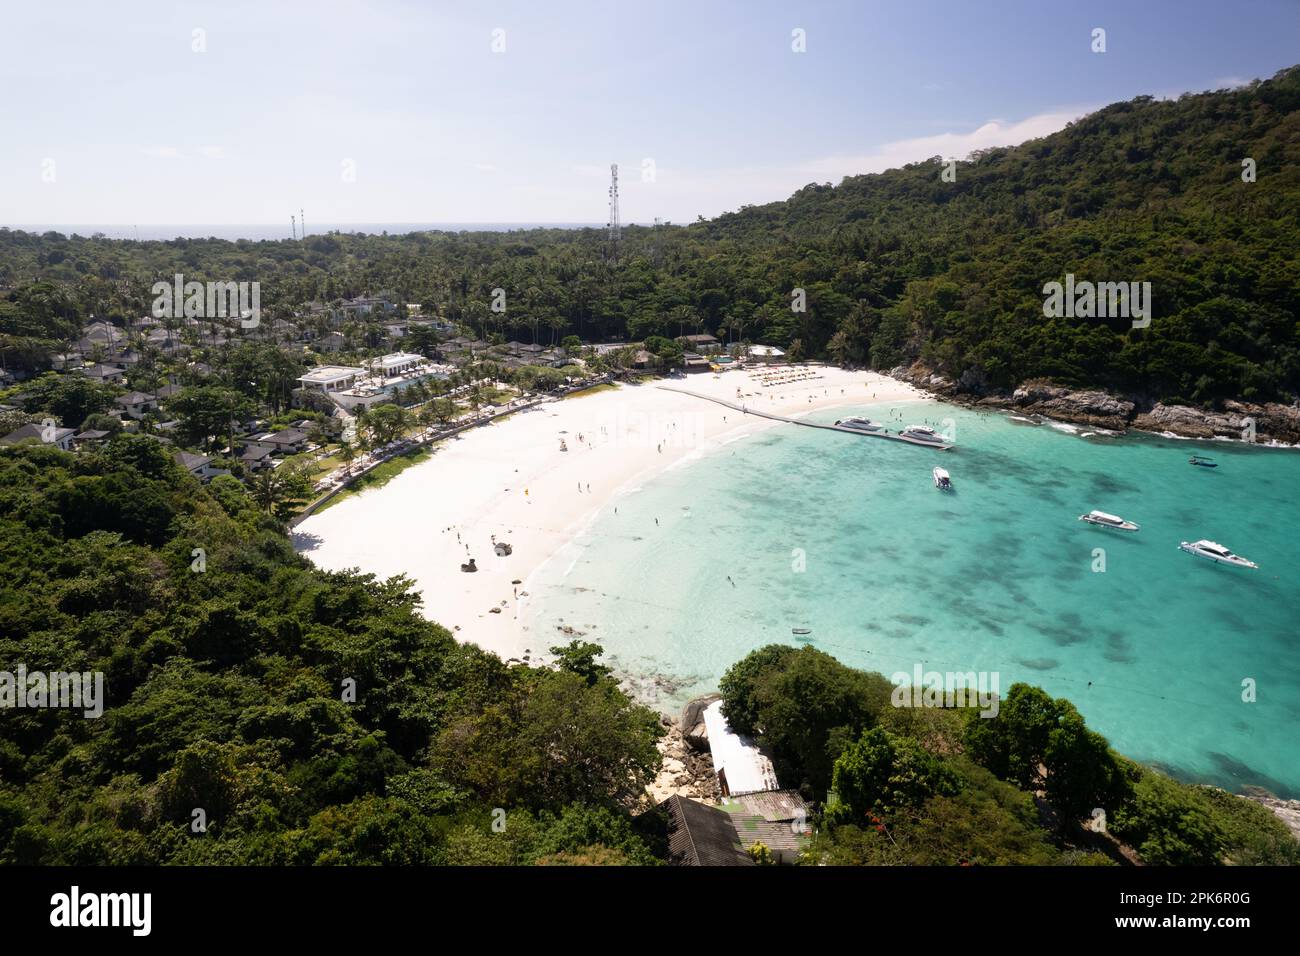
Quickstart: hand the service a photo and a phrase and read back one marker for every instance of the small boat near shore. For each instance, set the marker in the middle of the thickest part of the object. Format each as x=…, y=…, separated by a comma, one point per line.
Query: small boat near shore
x=1200, y=461
x=942, y=480
x=1216, y=552
x=1103, y=519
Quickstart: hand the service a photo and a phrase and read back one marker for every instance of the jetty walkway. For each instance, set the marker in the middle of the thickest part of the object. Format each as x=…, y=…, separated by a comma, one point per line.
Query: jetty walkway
x=745, y=409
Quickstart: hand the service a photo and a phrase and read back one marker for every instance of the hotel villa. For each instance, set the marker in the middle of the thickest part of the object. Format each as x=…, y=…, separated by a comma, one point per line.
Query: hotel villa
x=377, y=383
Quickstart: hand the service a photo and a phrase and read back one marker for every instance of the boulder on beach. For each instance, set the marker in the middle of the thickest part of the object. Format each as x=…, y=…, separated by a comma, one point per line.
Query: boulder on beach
x=694, y=732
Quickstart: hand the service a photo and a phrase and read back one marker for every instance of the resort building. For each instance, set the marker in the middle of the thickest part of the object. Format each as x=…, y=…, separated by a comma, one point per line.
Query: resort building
x=104, y=374
x=379, y=383
x=700, y=343
x=331, y=378
x=396, y=364
x=137, y=404
x=61, y=438
x=200, y=466
x=694, y=362
x=290, y=441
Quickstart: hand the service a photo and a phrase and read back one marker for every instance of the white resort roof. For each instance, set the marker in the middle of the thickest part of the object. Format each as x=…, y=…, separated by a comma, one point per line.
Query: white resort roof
x=745, y=767
x=330, y=373
x=394, y=359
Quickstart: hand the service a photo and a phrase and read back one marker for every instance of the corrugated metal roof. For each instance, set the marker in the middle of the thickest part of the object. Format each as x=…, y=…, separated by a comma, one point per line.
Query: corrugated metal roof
x=699, y=835
x=773, y=805
x=775, y=836
x=745, y=767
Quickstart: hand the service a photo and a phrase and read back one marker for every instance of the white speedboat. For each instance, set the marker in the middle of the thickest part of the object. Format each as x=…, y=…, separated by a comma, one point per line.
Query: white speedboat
x=923, y=433
x=941, y=480
x=1216, y=552
x=861, y=424
x=1104, y=520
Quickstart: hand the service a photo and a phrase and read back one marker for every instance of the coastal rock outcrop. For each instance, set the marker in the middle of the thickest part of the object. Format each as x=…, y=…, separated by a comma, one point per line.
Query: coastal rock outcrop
x=1288, y=811
x=1243, y=421
x=1095, y=408
x=693, y=730
x=1266, y=423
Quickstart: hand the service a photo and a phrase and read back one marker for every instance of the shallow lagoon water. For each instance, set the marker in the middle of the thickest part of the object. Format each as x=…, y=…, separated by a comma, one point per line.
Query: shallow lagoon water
x=847, y=536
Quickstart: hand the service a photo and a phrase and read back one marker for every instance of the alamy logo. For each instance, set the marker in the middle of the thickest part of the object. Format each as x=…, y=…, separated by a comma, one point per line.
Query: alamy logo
x=103, y=909
x=57, y=689
x=208, y=300
x=1099, y=300
x=947, y=689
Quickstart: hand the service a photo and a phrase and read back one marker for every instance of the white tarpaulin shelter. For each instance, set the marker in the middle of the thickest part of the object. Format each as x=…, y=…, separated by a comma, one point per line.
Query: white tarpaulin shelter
x=741, y=767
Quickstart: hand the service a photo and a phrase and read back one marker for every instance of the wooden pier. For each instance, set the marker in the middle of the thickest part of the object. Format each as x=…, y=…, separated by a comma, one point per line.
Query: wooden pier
x=746, y=410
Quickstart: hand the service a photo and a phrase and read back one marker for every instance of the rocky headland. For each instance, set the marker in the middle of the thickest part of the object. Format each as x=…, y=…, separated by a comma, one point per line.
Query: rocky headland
x=1267, y=423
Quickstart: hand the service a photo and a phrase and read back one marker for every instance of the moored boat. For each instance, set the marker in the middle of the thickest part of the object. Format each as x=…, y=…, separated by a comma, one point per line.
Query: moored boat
x=1103, y=519
x=923, y=433
x=1201, y=461
x=1216, y=552
x=942, y=481
x=860, y=424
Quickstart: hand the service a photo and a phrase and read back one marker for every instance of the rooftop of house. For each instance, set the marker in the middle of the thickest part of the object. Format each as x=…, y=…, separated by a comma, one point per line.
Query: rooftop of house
x=190, y=461
x=774, y=806
x=33, y=430
x=753, y=829
x=700, y=835
x=289, y=436
x=99, y=371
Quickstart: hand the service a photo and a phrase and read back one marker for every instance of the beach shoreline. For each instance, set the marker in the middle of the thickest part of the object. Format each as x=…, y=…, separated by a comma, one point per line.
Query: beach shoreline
x=510, y=482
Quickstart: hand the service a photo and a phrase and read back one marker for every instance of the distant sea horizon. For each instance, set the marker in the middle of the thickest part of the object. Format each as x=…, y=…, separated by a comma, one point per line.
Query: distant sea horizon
x=255, y=232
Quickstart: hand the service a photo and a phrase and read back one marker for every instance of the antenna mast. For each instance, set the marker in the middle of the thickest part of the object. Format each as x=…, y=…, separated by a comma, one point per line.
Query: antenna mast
x=302, y=218
x=615, y=230
x=293, y=226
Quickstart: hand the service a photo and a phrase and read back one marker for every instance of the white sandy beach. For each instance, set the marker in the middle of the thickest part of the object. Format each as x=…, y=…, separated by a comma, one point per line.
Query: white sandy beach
x=511, y=480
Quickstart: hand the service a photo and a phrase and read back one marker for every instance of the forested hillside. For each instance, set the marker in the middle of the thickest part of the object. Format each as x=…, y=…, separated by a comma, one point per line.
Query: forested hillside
x=298, y=716
x=897, y=267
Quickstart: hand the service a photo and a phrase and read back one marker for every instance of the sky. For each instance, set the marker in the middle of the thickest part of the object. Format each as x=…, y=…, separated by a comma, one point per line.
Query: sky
x=366, y=112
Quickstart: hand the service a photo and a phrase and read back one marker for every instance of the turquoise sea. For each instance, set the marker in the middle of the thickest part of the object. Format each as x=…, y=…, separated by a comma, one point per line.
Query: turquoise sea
x=997, y=576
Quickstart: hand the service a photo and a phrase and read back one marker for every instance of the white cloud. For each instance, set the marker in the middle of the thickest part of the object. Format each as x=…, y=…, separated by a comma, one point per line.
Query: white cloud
x=903, y=151
x=161, y=152
x=213, y=152
x=1230, y=82
x=681, y=195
